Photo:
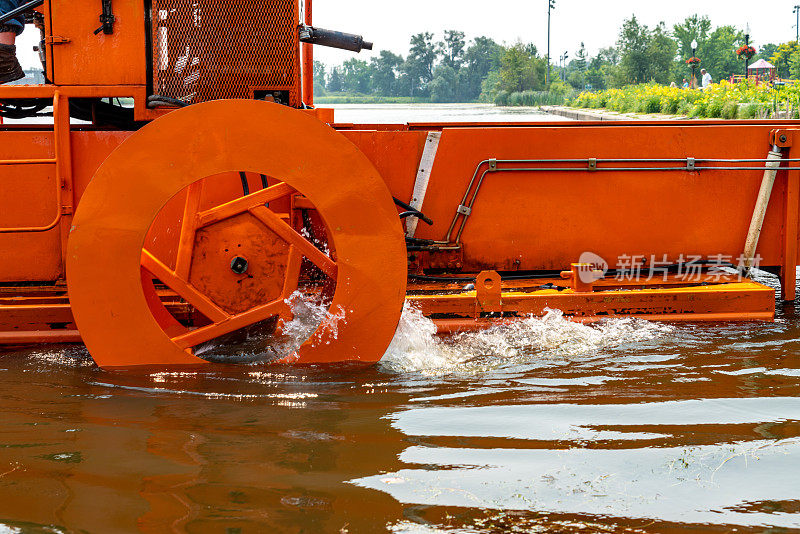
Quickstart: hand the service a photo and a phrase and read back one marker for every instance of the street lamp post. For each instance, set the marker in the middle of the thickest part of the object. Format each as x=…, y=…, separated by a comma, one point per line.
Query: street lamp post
x=797, y=24
x=694, y=65
x=551, y=5
x=746, y=44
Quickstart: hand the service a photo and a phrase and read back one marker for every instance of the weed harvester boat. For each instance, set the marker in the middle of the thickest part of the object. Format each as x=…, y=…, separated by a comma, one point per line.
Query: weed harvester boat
x=202, y=194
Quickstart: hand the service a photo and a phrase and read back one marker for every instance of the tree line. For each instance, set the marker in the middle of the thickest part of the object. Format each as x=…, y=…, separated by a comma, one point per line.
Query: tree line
x=453, y=70
x=448, y=70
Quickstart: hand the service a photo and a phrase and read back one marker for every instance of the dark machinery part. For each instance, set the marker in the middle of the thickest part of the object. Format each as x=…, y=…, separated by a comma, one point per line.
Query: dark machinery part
x=107, y=19
x=411, y=212
x=21, y=10
x=159, y=101
x=333, y=39
x=22, y=108
x=239, y=265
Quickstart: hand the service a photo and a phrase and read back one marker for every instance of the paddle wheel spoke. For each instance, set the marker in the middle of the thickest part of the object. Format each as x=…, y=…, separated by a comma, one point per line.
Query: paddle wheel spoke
x=291, y=236
x=183, y=288
x=292, y=280
x=231, y=324
x=235, y=207
x=225, y=321
x=183, y=261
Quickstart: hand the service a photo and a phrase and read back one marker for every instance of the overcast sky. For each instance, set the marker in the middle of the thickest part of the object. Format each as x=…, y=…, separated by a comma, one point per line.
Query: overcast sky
x=389, y=24
x=596, y=22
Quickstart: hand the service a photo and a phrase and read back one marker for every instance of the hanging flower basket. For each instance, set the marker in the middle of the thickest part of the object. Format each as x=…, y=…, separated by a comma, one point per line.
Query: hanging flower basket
x=693, y=61
x=746, y=52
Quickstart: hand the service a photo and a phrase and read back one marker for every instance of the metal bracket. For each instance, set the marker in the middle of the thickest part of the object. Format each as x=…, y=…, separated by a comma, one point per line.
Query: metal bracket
x=493, y=164
x=107, y=19
x=66, y=210
x=464, y=210
x=488, y=293
x=55, y=40
x=592, y=164
x=690, y=164
x=781, y=138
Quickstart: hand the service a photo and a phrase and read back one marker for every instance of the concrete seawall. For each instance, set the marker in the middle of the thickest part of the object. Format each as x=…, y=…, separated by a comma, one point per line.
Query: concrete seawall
x=580, y=114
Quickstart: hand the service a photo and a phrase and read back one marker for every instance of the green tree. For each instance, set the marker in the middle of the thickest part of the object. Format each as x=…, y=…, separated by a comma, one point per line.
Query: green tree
x=782, y=58
x=482, y=56
x=661, y=51
x=577, y=69
x=335, y=81
x=794, y=65
x=693, y=28
x=765, y=52
x=646, y=55
x=521, y=71
x=581, y=61
x=608, y=56
x=595, y=79
x=490, y=86
x=319, y=77
x=452, y=49
x=718, y=53
x=385, y=69
x=356, y=76
x=419, y=63
x=600, y=67
x=634, y=44
x=576, y=80
x=444, y=87
x=716, y=49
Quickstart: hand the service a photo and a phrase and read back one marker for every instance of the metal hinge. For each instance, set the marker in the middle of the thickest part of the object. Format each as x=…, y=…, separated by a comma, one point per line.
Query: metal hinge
x=55, y=40
x=66, y=210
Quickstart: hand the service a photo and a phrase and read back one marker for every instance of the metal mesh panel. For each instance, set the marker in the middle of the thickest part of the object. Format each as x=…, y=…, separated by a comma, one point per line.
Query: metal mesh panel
x=212, y=49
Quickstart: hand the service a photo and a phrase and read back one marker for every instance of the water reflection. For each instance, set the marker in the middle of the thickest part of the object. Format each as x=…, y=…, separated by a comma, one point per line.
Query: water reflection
x=705, y=484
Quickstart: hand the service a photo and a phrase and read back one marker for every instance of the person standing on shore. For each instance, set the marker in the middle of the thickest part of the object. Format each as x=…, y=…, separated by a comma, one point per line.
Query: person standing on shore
x=10, y=69
x=706, y=83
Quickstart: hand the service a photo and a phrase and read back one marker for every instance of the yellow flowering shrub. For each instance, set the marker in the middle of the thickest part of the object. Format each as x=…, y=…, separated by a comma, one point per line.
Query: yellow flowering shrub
x=721, y=100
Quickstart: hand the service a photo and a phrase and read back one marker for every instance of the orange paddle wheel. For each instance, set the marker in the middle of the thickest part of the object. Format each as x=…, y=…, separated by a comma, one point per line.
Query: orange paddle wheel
x=239, y=262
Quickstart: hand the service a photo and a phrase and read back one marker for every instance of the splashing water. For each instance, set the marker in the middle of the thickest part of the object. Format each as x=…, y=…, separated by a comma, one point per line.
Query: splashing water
x=309, y=315
x=416, y=348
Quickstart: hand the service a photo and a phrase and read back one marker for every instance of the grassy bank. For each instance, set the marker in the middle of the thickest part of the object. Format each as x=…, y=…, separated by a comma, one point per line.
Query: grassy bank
x=723, y=100
x=558, y=95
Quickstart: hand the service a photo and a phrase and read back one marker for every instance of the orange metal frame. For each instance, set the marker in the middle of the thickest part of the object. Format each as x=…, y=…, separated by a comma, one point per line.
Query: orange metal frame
x=524, y=218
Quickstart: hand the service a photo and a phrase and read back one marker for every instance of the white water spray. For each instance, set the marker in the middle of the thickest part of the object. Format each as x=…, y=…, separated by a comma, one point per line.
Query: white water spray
x=416, y=348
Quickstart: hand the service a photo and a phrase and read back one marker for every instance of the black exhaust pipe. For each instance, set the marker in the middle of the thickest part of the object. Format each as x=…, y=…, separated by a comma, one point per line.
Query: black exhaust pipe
x=333, y=39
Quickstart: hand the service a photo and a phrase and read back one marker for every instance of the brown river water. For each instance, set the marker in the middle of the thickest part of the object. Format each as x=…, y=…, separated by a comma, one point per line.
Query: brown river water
x=542, y=426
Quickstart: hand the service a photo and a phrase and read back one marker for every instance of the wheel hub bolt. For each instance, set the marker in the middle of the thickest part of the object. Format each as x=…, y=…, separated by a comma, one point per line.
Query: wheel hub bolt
x=239, y=265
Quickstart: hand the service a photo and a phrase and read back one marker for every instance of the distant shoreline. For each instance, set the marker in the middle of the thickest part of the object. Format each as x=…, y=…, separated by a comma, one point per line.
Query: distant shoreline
x=374, y=99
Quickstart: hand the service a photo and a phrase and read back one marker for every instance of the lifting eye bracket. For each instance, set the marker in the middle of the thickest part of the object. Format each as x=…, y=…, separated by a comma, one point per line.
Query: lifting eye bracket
x=107, y=19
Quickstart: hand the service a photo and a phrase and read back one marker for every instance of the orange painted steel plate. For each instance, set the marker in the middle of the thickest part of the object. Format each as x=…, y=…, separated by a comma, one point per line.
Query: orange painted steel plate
x=744, y=300
x=154, y=164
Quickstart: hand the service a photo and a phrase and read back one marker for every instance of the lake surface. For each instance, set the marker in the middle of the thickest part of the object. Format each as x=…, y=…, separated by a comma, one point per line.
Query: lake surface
x=402, y=113
x=545, y=425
